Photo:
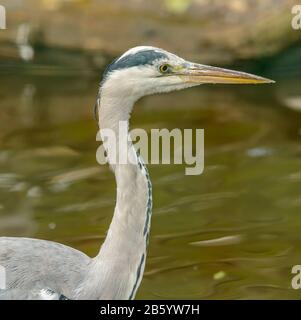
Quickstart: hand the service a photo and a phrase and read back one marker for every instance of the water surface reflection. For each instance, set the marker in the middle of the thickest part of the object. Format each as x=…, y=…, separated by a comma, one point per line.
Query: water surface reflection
x=233, y=232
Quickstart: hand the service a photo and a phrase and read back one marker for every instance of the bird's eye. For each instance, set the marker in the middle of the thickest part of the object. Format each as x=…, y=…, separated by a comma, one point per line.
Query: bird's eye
x=164, y=68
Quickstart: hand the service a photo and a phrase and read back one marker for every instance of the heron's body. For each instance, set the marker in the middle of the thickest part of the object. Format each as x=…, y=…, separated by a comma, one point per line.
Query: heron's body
x=38, y=269
x=45, y=261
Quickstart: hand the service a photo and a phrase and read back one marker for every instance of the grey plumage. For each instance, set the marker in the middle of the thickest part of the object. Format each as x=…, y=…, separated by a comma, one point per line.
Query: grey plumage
x=52, y=265
x=32, y=294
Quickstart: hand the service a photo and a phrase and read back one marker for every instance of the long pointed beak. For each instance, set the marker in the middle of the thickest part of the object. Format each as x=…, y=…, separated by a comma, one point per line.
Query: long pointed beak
x=198, y=73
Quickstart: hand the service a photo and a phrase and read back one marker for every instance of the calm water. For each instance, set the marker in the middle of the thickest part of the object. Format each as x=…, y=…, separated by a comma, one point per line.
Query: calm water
x=233, y=232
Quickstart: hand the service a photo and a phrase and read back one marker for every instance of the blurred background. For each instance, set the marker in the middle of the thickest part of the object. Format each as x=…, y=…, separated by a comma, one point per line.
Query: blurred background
x=231, y=233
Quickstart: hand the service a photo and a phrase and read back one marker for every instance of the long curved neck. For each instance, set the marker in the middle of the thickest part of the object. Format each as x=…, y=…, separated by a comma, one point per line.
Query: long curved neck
x=121, y=260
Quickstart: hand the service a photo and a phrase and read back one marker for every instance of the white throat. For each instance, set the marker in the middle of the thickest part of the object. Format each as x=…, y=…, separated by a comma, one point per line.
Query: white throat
x=120, y=263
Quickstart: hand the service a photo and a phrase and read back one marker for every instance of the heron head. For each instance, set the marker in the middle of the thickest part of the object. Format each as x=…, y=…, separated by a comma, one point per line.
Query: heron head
x=147, y=70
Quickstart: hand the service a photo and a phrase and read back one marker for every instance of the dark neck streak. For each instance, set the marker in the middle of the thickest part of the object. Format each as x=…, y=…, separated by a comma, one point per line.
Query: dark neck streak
x=146, y=229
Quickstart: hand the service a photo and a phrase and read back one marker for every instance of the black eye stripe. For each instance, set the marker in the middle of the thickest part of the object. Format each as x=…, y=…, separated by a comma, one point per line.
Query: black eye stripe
x=145, y=57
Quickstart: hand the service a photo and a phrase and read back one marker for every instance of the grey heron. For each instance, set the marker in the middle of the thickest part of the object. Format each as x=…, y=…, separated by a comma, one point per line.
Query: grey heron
x=39, y=269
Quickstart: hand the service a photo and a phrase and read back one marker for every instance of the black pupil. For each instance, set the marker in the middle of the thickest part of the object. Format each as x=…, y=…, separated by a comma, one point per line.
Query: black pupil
x=164, y=68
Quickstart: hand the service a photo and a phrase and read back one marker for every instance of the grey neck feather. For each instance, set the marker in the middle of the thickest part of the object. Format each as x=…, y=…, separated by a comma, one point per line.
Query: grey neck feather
x=117, y=270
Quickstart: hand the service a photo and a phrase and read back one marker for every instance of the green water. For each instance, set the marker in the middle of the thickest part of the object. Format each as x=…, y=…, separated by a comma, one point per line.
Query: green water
x=232, y=232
